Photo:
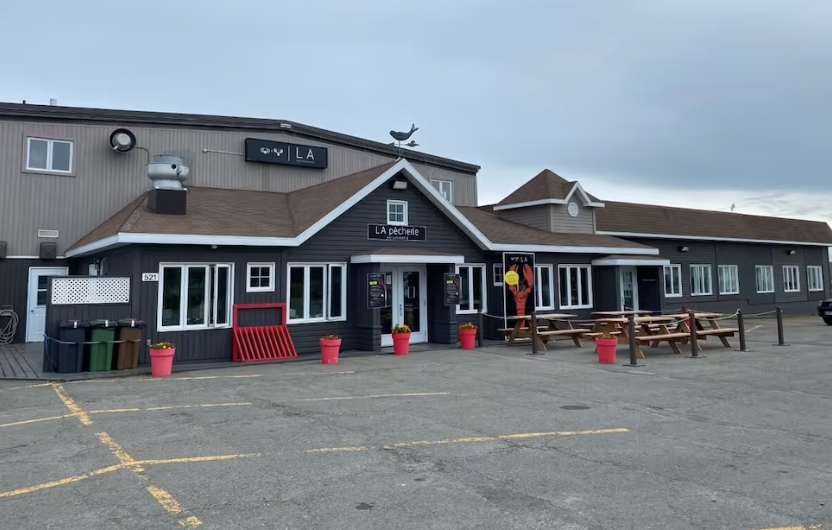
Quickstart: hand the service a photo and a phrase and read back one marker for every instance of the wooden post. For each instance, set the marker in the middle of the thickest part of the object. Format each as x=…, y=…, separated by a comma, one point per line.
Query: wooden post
x=533, y=332
x=694, y=344
x=741, y=326
x=631, y=332
x=781, y=339
x=479, y=328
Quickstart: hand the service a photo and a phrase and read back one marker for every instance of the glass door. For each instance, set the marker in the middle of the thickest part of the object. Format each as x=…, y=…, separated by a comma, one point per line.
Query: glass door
x=406, y=303
x=629, y=289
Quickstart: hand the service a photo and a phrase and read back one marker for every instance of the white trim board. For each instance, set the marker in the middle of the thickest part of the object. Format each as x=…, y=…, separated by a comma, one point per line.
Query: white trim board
x=418, y=181
x=630, y=262
x=33, y=257
x=706, y=238
x=577, y=187
x=405, y=258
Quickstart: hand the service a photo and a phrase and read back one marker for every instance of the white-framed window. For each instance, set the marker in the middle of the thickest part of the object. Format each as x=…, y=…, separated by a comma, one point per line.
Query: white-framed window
x=260, y=277
x=729, y=279
x=445, y=187
x=544, y=287
x=53, y=156
x=791, y=278
x=672, y=281
x=317, y=292
x=764, y=278
x=814, y=275
x=701, y=281
x=473, y=295
x=498, y=275
x=195, y=296
x=397, y=212
x=575, y=286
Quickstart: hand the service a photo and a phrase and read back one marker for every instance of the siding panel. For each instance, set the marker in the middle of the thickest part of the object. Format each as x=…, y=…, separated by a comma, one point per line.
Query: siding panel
x=564, y=223
x=535, y=216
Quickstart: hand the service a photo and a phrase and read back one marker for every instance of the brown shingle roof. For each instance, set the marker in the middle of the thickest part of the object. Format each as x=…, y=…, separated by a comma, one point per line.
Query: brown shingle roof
x=244, y=213
x=499, y=230
x=544, y=185
x=650, y=219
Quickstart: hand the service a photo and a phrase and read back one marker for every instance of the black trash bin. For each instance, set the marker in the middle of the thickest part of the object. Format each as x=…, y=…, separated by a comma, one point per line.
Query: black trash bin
x=71, y=334
x=130, y=330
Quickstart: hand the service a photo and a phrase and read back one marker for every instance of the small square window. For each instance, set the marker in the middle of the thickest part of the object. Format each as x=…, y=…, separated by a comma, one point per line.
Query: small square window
x=498, y=274
x=445, y=187
x=53, y=156
x=397, y=212
x=260, y=277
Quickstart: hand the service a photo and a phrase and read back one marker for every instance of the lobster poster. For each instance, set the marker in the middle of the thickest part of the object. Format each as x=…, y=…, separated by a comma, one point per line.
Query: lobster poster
x=518, y=283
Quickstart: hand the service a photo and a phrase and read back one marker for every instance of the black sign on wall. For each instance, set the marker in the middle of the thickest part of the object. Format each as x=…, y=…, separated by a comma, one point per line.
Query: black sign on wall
x=395, y=232
x=376, y=290
x=271, y=152
x=453, y=284
x=518, y=282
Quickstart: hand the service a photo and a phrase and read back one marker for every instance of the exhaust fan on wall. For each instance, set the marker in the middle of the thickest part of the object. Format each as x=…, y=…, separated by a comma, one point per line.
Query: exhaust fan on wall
x=122, y=140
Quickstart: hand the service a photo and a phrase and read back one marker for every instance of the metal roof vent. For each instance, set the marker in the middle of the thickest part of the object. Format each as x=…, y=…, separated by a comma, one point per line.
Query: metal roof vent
x=168, y=171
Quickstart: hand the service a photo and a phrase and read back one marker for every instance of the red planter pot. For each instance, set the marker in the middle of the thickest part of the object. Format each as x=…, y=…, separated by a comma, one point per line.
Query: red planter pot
x=468, y=338
x=606, y=350
x=401, y=343
x=329, y=350
x=161, y=362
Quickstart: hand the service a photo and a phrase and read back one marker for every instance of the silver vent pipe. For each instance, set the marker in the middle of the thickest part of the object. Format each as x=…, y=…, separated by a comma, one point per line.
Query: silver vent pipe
x=168, y=171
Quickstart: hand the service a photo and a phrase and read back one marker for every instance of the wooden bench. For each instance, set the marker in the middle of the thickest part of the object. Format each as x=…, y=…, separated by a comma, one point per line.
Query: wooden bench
x=669, y=337
x=574, y=334
x=720, y=333
x=593, y=334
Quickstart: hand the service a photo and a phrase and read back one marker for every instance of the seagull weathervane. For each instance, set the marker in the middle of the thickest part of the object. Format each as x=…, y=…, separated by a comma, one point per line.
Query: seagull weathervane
x=404, y=136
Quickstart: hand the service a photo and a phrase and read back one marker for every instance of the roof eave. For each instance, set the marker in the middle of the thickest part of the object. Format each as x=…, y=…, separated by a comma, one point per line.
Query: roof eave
x=708, y=238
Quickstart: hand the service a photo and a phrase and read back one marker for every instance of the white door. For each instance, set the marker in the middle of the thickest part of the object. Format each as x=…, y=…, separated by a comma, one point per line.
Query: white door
x=38, y=291
x=407, y=303
x=629, y=289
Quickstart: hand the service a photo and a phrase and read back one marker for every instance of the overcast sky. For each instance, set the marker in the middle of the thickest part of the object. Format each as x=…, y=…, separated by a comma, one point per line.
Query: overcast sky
x=700, y=103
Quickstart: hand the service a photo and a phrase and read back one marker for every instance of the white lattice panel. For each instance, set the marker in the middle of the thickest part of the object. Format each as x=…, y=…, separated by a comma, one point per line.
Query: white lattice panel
x=101, y=290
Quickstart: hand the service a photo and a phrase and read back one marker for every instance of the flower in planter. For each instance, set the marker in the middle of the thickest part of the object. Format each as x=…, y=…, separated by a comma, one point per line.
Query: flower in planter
x=605, y=335
x=332, y=336
x=401, y=328
x=467, y=325
x=162, y=346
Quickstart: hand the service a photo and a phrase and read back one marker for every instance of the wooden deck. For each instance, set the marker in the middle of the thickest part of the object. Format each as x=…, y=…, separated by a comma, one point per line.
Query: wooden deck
x=21, y=361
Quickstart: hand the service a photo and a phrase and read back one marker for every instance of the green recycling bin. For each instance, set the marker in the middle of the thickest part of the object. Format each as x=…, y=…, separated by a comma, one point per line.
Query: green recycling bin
x=103, y=333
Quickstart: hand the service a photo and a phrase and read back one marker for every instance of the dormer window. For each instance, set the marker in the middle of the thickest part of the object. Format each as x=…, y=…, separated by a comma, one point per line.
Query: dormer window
x=397, y=212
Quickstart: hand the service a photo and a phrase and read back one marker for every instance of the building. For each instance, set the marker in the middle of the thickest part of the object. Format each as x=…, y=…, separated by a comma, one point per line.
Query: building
x=204, y=212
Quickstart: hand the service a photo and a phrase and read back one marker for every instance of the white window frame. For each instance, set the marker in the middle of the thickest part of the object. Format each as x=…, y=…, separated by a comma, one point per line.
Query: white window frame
x=473, y=310
x=704, y=267
x=538, y=291
x=249, y=288
x=676, y=269
x=306, y=295
x=736, y=276
x=210, y=316
x=586, y=304
x=816, y=283
x=498, y=276
x=403, y=204
x=794, y=270
x=49, y=147
x=442, y=184
x=769, y=277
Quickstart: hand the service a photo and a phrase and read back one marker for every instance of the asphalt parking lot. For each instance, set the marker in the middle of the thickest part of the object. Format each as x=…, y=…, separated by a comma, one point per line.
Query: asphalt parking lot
x=489, y=439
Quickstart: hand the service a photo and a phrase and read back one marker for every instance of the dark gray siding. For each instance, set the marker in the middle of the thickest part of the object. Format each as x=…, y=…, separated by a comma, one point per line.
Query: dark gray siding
x=347, y=236
x=14, y=288
x=746, y=256
x=535, y=216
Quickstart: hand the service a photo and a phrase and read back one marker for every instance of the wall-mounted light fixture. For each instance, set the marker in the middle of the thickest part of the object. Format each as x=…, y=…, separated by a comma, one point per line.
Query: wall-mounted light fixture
x=399, y=184
x=683, y=249
x=790, y=252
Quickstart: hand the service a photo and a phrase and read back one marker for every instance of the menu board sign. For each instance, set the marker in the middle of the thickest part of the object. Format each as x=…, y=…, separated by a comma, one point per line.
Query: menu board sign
x=453, y=284
x=376, y=290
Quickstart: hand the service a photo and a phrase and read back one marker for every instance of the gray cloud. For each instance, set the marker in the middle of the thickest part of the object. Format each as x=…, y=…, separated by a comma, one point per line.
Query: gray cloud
x=702, y=94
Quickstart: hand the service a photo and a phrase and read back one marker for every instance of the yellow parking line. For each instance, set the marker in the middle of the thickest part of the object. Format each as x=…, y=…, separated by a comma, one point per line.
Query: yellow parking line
x=475, y=439
x=51, y=418
x=810, y=527
x=61, y=482
x=205, y=405
x=155, y=379
x=22, y=387
x=411, y=394
x=172, y=507
x=71, y=405
x=193, y=459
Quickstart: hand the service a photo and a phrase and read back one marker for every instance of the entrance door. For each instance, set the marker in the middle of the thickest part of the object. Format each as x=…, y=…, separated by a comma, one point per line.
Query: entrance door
x=407, y=303
x=629, y=289
x=38, y=291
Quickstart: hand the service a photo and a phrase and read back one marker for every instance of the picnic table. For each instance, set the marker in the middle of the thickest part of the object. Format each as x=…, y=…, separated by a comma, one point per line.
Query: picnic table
x=652, y=327
x=544, y=333
x=713, y=328
x=613, y=314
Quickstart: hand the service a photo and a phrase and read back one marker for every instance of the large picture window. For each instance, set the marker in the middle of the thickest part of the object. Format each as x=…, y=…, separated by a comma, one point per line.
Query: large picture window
x=815, y=277
x=194, y=296
x=672, y=281
x=317, y=292
x=472, y=297
x=764, y=277
x=791, y=278
x=575, y=286
x=544, y=287
x=729, y=279
x=701, y=281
